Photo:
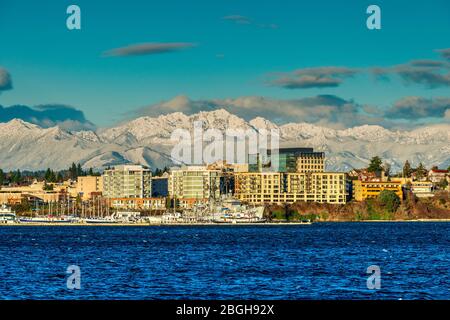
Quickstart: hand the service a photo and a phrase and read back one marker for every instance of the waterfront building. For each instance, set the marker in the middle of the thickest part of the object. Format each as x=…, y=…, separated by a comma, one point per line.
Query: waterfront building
x=363, y=190
x=34, y=192
x=88, y=186
x=285, y=187
x=288, y=160
x=192, y=184
x=301, y=160
x=422, y=188
x=127, y=181
x=138, y=203
x=300, y=176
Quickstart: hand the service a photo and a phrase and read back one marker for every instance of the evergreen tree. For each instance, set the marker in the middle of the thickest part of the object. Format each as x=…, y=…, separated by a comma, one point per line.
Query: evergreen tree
x=47, y=176
x=73, y=171
x=375, y=165
x=2, y=177
x=16, y=177
x=47, y=187
x=79, y=170
x=387, y=169
x=407, y=169
x=50, y=176
x=420, y=171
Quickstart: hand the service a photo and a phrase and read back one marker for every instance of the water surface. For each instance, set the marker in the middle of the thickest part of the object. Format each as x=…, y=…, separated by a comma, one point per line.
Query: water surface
x=319, y=261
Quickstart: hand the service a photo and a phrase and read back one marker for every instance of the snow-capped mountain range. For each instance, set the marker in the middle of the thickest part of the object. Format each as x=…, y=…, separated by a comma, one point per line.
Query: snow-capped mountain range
x=146, y=140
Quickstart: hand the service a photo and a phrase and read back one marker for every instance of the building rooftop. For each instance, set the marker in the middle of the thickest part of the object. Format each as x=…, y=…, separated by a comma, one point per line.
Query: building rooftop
x=438, y=171
x=130, y=167
x=298, y=151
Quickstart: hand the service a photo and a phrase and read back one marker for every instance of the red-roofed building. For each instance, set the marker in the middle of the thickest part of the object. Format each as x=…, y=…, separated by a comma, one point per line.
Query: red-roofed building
x=436, y=175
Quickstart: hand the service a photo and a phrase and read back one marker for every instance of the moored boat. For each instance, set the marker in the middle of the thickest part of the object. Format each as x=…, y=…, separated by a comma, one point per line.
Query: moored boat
x=99, y=220
x=47, y=219
x=7, y=215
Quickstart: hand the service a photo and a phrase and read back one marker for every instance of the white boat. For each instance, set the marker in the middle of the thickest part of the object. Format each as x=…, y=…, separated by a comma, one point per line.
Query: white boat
x=48, y=219
x=172, y=217
x=7, y=215
x=98, y=220
x=127, y=216
x=153, y=220
x=249, y=215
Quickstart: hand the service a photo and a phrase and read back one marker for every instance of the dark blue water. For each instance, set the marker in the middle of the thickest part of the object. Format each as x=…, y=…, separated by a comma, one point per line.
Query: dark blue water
x=319, y=261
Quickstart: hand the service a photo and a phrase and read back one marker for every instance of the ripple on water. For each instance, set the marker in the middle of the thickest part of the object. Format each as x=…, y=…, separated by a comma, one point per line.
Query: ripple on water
x=321, y=261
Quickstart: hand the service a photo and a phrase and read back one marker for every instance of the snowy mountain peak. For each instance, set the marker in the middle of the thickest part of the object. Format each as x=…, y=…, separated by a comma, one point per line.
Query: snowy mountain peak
x=219, y=119
x=147, y=140
x=368, y=132
x=18, y=124
x=261, y=123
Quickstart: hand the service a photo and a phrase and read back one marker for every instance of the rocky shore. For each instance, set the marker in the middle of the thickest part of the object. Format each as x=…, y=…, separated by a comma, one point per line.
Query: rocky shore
x=410, y=209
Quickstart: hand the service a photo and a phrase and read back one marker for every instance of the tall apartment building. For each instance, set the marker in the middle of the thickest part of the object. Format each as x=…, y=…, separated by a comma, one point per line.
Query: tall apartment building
x=300, y=177
x=310, y=162
x=192, y=184
x=127, y=181
x=289, y=160
x=89, y=185
x=285, y=187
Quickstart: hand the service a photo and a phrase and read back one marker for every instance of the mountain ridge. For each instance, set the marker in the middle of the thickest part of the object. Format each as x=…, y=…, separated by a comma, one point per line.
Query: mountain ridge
x=146, y=140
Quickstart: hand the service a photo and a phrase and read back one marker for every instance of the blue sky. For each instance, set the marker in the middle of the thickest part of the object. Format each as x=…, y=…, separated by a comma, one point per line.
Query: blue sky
x=229, y=58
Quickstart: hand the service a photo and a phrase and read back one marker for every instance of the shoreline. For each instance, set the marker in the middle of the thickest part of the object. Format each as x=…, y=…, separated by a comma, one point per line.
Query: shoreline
x=50, y=224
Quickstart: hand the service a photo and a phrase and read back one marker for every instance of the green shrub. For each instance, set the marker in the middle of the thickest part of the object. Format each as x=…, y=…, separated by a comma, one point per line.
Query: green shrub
x=278, y=215
x=389, y=200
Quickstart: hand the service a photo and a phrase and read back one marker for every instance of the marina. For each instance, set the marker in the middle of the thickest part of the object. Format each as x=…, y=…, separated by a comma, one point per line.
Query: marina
x=226, y=212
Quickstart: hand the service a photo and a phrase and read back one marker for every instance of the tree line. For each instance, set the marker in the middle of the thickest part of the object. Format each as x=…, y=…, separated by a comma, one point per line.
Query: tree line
x=376, y=165
x=49, y=175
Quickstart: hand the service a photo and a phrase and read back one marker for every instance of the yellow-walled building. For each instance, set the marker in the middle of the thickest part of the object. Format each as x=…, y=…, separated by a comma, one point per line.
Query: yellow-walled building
x=88, y=185
x=363, y=190
x=279, y=187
